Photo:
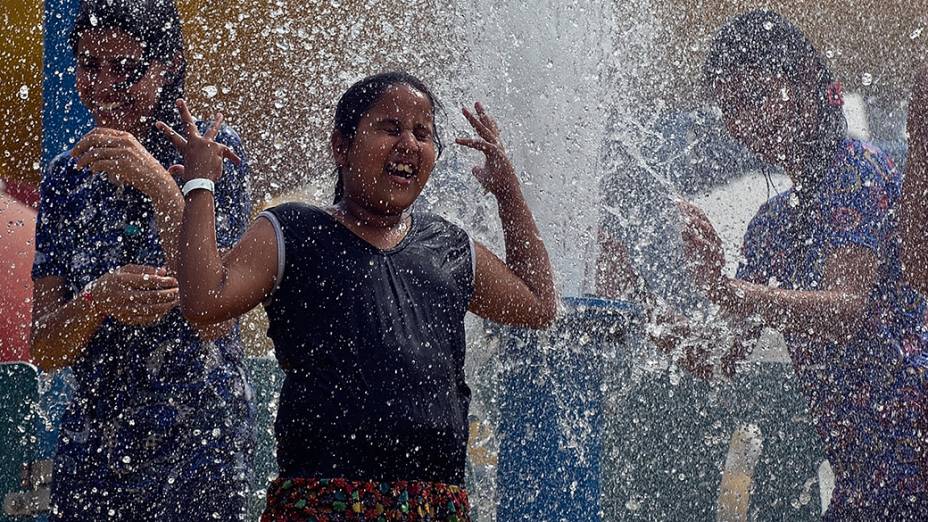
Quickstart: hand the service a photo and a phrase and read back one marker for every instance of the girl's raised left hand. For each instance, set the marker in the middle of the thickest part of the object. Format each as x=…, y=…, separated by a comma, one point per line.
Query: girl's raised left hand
x=497, y=174
x=202, y=155
x=121, y=157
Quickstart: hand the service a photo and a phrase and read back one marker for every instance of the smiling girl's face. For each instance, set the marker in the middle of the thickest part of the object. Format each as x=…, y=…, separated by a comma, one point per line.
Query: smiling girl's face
x=115, y=83
x=392, y=154
x=762, y=111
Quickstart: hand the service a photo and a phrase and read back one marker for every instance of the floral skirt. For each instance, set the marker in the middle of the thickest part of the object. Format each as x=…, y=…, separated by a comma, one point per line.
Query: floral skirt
x=336, y=500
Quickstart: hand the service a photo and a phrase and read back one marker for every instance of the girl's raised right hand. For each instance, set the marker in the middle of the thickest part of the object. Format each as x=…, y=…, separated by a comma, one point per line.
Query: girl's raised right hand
x=202, y=155
x=497, y=174
x=136, y=295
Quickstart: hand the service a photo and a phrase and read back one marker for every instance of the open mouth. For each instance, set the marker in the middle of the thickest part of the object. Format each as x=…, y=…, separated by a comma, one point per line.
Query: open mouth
x=110, y=107
x=401, y=172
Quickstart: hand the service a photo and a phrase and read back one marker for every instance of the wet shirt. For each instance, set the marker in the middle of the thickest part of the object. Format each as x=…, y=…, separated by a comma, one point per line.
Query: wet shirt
x=372, y=345
x=150, y=403
x=867, y=395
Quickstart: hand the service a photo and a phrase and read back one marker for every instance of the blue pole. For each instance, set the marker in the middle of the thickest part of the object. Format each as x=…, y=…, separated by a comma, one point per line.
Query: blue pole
x=64, y=118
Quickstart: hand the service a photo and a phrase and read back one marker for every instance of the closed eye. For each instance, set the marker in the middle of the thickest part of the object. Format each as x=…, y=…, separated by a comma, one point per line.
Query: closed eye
x=423, y=133
x=88, y=64
x=391, y=127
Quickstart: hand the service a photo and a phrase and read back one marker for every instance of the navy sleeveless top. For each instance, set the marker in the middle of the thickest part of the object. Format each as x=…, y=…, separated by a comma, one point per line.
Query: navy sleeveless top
x=372, y=346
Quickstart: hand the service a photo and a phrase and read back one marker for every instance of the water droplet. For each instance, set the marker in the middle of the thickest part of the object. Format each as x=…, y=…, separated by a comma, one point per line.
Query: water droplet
x=94, y=20
x=210, y=91
x=866, y=79
x=768, y=25
x=126, y=460
x=23, y=92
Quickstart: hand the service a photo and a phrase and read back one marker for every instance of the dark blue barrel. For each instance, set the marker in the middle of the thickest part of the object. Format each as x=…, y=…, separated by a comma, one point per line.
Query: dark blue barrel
x=551, y=412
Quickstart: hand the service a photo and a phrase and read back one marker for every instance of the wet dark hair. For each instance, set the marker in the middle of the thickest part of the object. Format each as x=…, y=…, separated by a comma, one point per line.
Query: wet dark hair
x=156, y=25
x=764, y=40
x=360, y=97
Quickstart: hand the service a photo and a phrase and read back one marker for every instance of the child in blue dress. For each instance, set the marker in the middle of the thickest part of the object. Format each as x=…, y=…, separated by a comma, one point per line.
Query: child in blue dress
x=366, y=301
x=160, y=426
x=822, y=265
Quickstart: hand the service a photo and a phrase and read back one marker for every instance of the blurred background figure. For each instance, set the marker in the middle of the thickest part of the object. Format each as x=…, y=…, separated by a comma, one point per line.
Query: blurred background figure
x=822, y=265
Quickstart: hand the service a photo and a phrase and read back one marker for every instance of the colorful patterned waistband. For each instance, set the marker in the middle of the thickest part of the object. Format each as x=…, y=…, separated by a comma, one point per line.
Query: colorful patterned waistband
x=336, y=500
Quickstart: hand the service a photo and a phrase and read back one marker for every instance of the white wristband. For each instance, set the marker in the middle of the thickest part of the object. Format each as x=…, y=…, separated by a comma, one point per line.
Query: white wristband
x=198, y=183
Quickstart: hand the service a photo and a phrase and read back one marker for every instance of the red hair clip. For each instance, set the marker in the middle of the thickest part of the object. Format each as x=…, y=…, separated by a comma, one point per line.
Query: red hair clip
x=833, y=95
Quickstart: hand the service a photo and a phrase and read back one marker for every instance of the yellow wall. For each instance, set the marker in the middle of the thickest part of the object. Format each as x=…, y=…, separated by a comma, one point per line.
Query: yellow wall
x=279, y=66
x=20, y=65
x=876, y=37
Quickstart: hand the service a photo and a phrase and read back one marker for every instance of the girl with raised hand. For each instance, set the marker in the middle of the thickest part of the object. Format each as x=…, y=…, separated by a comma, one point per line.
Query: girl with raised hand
x=822, y=266
x=366, y=302
x=914, y=212
x=160, y=425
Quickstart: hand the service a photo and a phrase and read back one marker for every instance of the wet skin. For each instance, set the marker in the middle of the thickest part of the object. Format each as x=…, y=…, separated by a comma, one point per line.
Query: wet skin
x=385, y=166
x=763, y=112
x=106, y=60
x=391, y=157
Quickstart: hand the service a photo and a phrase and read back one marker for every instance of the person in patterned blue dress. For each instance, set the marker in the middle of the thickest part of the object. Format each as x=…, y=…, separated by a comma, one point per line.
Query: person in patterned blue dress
x=161, y=423
x=822, y=265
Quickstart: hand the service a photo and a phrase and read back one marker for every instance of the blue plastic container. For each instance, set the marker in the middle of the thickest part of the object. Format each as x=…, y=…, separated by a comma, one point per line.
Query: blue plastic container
x=551, y=412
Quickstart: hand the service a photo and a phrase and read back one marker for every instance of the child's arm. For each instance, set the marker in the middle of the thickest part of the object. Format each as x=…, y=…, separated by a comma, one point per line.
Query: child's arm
x=519, y=292
x=62, y=326
x=215, y=288
x=834, y=312
x=123, y=159
x=914, y=205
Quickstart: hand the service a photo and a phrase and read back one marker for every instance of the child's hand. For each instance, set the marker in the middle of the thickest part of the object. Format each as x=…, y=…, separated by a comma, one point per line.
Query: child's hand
x=120, y=156
x=704, y=248
x=202, y=155
x=134, y=294
x=497, y=174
